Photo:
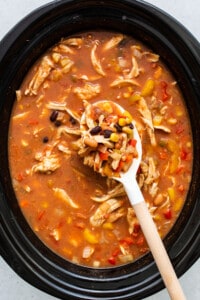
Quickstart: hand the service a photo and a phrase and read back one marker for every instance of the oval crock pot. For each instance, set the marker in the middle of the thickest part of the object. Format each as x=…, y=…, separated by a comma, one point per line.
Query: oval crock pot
x=20, y=48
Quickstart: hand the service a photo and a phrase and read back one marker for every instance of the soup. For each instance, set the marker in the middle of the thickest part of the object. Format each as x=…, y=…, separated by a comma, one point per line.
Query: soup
x=80, y=215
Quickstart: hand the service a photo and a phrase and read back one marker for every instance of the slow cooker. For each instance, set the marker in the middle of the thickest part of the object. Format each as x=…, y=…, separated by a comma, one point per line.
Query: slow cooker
x=20, y=48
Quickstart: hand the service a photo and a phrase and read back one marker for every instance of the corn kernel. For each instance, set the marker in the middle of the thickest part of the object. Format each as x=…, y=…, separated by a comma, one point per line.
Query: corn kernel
x=128, y=116
x=134, y=98
x=107, y=107
x=127, y=130
x=122, y=121
x=148, y=87
x=114, y=137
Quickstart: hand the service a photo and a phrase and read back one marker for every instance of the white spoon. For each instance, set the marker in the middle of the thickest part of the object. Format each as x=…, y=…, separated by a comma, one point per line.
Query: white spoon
x=147, y=224
x=128, y=179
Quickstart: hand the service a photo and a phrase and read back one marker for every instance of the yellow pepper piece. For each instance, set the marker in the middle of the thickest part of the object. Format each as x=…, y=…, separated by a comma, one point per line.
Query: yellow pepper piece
x=108, y=225
x=148, y=88
x=158, y=72
x=171, y=193
x=90, y=237
x=127, y=130
x=178, y=204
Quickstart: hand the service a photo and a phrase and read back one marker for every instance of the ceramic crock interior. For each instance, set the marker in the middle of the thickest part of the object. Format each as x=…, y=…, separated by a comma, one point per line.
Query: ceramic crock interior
x=19, y=50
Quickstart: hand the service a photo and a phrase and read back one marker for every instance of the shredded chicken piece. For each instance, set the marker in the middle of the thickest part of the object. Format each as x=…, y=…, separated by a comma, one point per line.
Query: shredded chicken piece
x=147, y=119
x=123, y=81
x=63, y=48
x=114, y=41
x=88, y=91
x=116, y=215
x=163, y=128
x=63, y=148
x=152, y=57
x=73, y=42
x=96, y=62
x=47, y=163
x=117, y=191
x=149, y=176
x=131, y=218
x=104, y=210
x=41, y=74
x=67, y=130
x=62, y=195
x=135, y=71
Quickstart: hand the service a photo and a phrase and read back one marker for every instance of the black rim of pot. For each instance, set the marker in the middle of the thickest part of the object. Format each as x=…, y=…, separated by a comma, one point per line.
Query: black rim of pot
x=18, y=51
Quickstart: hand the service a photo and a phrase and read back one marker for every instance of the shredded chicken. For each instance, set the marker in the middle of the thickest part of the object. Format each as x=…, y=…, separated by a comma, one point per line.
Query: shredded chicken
x=147, y=119
x=96, y=62
x=41, y=74
x=114, y=41
x=123, y=81
x=47, y=163
x=117, y=191
x=62, y=195
x=104, y=211
x=88, y=91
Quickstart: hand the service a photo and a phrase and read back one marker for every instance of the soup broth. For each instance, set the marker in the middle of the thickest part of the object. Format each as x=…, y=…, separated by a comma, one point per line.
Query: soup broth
x=80, y=215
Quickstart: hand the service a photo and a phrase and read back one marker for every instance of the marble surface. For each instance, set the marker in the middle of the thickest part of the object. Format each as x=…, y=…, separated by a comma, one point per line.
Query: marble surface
x=12, y=287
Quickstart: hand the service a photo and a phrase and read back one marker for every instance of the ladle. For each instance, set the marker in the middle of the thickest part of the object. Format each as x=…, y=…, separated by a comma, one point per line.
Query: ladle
x=128, y=179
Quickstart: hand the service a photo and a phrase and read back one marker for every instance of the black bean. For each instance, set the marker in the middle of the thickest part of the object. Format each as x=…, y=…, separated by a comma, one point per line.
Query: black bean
x=45, y=139
x=97, y=129
x=118, y=127
x=58, y=123
x=53, y=116
x=72, y=120
x=107, y=133
x=131, y=125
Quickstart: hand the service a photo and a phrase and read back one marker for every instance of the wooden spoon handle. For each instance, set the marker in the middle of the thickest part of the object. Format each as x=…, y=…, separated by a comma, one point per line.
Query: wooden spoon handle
x=158, y=251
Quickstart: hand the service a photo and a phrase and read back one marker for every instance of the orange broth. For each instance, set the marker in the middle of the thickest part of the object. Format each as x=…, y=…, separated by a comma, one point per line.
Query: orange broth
x=55, y=190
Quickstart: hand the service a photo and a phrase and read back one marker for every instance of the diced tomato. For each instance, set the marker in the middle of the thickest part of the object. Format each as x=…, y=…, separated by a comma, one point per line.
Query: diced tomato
x=116, y=252
x=181, y=188
x=179, y=129
x=103, y=155
x=183, y=154
x=120, y=167
x=112, y=260
x=163, y=154
x=20, y=177
x=33, y=122
x=40, y=215
x=165, y=95
x=128, y=240
x=140, y=241
x=136, y=228
x=133, y=142
x=168, y=214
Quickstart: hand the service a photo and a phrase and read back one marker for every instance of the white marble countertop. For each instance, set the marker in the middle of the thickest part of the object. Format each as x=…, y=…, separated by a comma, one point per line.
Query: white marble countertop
x=12, y=287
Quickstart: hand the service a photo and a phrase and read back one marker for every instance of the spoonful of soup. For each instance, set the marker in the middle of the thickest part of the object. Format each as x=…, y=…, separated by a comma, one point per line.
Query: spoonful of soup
x=111, y=145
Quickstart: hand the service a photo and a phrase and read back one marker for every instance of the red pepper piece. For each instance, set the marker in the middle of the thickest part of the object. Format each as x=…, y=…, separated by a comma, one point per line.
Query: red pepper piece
x=168, y=214
x=112, y=260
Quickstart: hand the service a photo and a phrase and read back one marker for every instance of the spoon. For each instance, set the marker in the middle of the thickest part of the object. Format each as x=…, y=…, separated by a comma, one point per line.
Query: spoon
x=128, y=179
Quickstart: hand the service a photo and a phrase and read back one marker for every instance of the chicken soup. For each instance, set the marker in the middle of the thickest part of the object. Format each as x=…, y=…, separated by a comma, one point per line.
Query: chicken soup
x=80, y=215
